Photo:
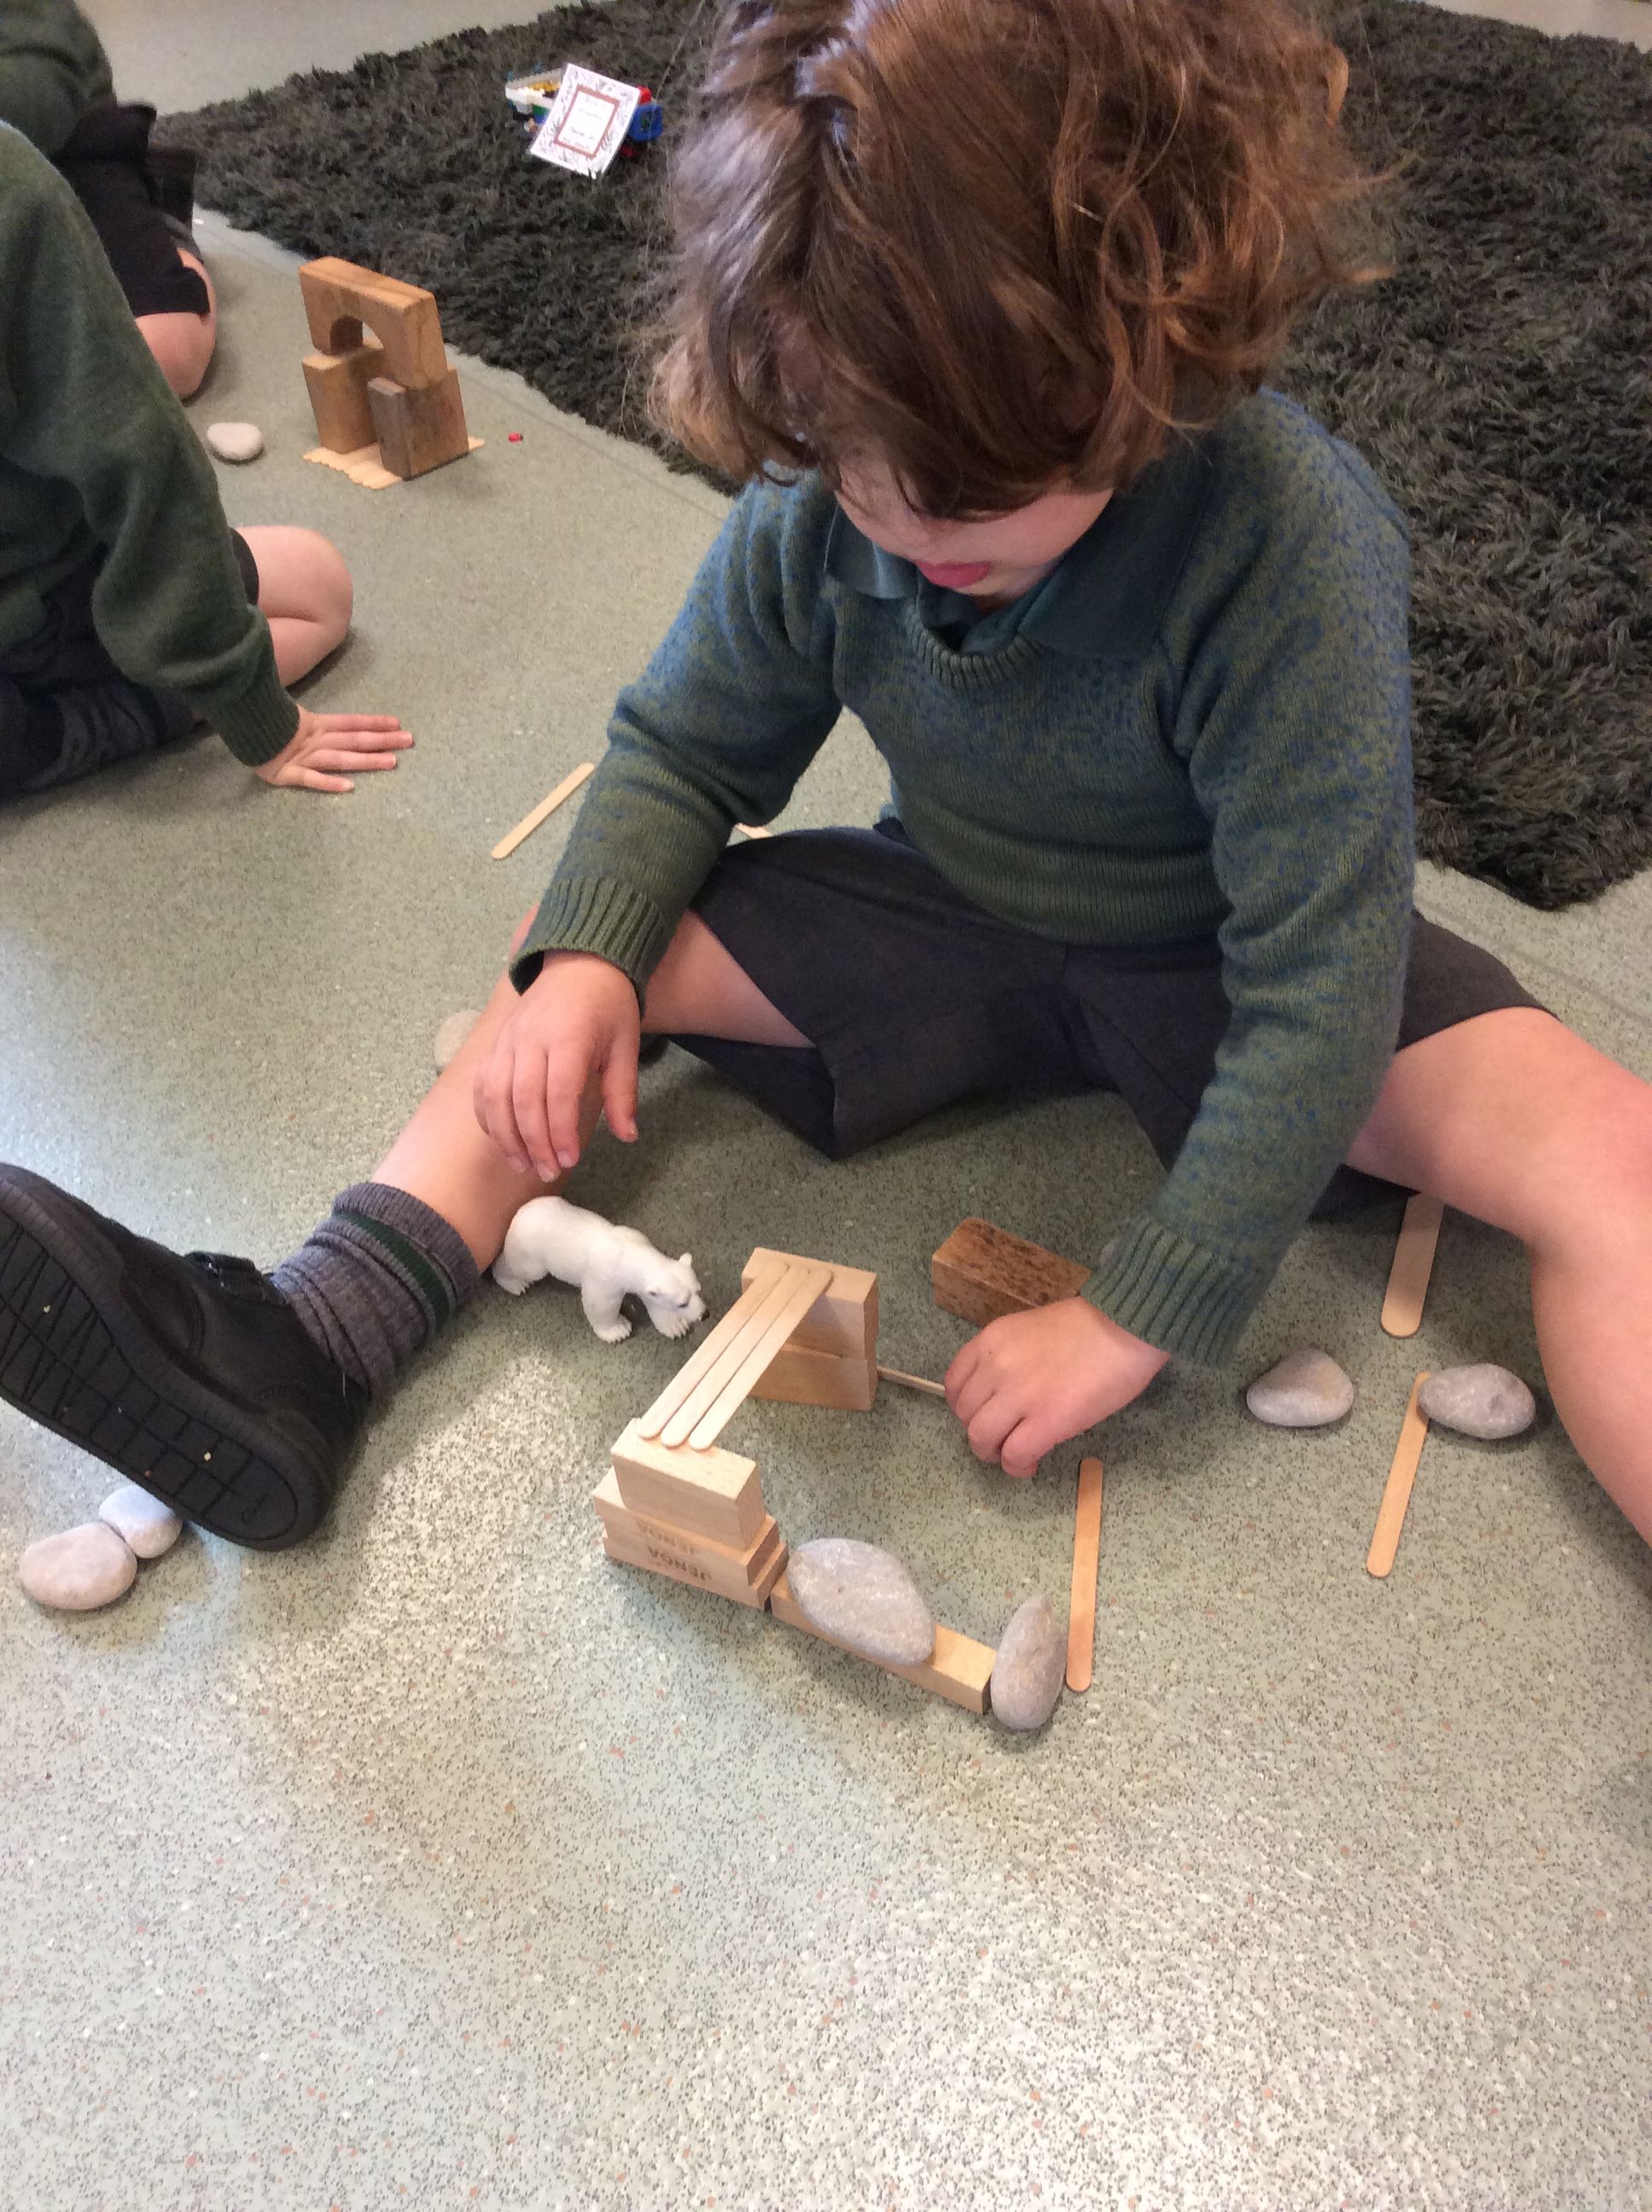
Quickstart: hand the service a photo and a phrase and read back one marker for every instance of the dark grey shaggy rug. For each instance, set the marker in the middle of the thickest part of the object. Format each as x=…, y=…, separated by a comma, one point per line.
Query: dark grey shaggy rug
x=1499, y=381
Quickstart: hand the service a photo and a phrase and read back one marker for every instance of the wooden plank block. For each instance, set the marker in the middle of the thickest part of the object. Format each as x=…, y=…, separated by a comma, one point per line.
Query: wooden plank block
x=802, y=1286
x=1396, y=1494
x=1086, y=1561
x=418, y=429
x=338, y=386
x=1413, y=1265
x=957, y=1669
x=982, y=1271
x=714, y=1494
x=796, y=1377
x=548, y=806
x=633, y=1528
x=845, y=1317
x=340, y=298
x=913, y=1381
x=712, y=1350
x=668, y=1560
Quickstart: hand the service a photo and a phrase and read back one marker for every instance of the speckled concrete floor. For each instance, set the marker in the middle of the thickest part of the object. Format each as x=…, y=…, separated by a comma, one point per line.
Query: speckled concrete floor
x=442, y=1863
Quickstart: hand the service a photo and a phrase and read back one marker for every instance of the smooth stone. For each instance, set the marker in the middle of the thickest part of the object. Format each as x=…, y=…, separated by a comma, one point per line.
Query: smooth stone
x=82, y=1569
x=1030, y=1667
x=1303, y=1390
x=144, y=1524
x=1482, y=1401
x=235, y=442
x=864, y=1597
x=452, y=1033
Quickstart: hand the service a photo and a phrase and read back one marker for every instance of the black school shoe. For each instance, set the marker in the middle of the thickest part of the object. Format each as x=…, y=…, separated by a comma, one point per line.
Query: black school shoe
x=188, y=1372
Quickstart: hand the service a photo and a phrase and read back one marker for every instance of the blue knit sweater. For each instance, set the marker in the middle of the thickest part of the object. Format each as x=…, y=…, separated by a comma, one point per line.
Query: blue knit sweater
x=1198, y=722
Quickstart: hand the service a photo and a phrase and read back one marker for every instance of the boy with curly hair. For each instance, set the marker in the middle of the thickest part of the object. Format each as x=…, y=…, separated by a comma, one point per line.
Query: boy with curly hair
x=979, y=296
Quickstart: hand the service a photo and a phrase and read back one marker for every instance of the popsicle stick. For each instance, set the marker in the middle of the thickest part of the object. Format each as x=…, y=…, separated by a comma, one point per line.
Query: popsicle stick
x=735, y=1323
x=913, y=1381
x=1413, y=1263
x=525, y=828
x=708, y=1391
x=1396, y=1495
x=809, y=1285
x=1086, y=1560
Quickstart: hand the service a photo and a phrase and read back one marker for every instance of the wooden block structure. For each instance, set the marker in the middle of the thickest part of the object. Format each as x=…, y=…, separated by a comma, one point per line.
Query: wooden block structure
x=982, y=1272
x=396, y=387
x=958, y=1669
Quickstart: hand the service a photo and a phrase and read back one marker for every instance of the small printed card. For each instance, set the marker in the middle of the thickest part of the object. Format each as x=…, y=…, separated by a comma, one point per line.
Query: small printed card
x=588, y=122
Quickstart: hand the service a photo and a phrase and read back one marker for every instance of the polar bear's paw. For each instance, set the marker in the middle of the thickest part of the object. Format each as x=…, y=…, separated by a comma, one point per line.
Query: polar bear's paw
x=612, y=1332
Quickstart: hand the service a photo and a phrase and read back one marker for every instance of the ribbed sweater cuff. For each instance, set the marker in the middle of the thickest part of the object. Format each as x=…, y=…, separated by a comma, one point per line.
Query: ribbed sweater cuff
x=594, y=914
x=1173, y=1293
x=257, y=725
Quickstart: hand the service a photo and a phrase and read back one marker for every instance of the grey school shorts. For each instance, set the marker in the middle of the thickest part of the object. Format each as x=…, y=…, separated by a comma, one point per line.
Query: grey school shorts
x=915, y=998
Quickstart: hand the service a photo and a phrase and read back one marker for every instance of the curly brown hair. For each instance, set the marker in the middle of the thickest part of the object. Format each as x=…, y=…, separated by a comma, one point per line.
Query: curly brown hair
x=996, y=244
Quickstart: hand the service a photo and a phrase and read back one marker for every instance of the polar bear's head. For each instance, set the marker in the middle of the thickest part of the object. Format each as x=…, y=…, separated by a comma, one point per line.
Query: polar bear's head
x=670, y=1291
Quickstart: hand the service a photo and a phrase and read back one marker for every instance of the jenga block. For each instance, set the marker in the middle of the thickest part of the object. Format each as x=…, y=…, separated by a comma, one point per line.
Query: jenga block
x=338, y=384
x=715, y=1494
x=418, y=430
x=669, y=1560
x=818, y=1378
x=339, y=298
x=632, y=1527
x=844, y=1318
x=958, y=1669
x=982, y=1272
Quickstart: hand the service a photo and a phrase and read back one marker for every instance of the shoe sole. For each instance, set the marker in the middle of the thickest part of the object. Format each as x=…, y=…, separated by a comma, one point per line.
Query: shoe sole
x=76, y=1356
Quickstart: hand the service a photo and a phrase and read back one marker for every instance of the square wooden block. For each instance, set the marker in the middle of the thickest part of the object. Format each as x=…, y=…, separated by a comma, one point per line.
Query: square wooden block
x=843, y=1319
x=982, y=1271
x=714, y=1494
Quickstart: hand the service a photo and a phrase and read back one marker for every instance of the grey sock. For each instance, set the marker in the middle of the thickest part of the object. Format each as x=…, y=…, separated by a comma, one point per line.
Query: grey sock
x=377, y=1280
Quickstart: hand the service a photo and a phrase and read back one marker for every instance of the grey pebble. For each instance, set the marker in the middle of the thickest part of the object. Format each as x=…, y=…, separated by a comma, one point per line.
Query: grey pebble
x=1303, y=1390
x=1482, y=1401
x=75, y=1572
x=235, y=442
x=864, y=1597
x=452, y=1033
x=145, y=1525
x=1031, y=1666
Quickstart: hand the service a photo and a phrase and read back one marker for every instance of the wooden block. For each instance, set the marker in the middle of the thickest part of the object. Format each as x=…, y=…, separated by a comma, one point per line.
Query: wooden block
x=419, y=429
x=796, y=1377
x=726, y=1560
x=340, y=298
x=1086, y=1560
x=714, y=1494
x=845, y=1317
x=1413, y=1265
x=1396, y=1491
x=338, y=384
x=668, y=1560
x=982, y=1271
x=957, y=1669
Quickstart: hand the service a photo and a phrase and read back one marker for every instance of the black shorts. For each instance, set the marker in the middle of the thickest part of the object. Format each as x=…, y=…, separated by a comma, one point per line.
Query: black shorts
x=105, y=159
x=915, y=998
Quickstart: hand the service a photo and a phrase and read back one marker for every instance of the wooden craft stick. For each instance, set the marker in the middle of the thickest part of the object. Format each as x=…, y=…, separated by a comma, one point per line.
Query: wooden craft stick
x=759, y=1327
x=1396, y=1495
x=739, y=1317
x=1413, y=1263
x=525, y=828
x=807, y=1286
x=1086, y=1560
x=958, y=1669
x=913, y=1381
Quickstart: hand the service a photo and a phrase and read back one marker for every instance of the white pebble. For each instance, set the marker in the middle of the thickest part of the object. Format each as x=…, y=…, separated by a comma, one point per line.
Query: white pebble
x=235, y=442
x=147, y=1526
x=75, y=1572
x=1303, y=1390
x=452, y=1033
x=1482, y=1401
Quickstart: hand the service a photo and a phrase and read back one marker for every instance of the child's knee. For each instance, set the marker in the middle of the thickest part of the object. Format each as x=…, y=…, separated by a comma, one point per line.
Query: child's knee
x=302, y=575
x=182, y=344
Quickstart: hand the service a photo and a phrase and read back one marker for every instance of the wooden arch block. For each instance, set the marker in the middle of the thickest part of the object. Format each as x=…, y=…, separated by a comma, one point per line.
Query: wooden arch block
x=339, y=298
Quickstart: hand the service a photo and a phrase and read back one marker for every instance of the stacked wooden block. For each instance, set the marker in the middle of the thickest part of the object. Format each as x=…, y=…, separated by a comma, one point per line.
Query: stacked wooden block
x=394, y=389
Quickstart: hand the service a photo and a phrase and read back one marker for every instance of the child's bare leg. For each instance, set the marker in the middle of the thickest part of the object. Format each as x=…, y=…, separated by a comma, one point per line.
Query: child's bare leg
x=183, y=344
x=305, y=593
x=1514, y=1119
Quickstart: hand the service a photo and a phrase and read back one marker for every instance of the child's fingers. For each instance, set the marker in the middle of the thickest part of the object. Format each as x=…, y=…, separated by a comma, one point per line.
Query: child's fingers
x=310, y=779
x=562, y=1093
x=987, y=1428
x=619, y=1093
x=491, y=1100
x=1023, y=1449
x=531, y=1080
x=342, y=723
x=340, y=758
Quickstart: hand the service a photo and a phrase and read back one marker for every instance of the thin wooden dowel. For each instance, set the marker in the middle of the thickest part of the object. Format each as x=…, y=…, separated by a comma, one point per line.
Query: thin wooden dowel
x=1413, y=1264
x=1396, y=1494
x=808, y=1287
x=525, y=828
x=1086, y=1563
x=913, y=1381
x=733, y=1327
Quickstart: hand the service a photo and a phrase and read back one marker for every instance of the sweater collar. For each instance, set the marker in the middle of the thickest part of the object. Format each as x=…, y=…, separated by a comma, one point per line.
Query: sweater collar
x=1106, y=595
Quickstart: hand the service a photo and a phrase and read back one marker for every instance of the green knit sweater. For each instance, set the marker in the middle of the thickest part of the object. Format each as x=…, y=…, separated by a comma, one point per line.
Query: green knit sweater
x=1198, y=722
x=52, y=68
x=98, y=461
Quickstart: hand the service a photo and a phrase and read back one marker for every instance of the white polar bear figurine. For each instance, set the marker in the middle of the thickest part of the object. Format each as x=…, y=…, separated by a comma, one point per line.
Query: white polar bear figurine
x=603, y=1262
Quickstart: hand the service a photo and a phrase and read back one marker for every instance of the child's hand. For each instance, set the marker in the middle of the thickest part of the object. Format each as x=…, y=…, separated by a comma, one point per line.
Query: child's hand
x=323, y=744
x=1029, y=1381
x=576, y=1022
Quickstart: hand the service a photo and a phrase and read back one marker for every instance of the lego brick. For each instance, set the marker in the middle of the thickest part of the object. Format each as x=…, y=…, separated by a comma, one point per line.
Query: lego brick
x=418, y=429
x=712, y=1494
x=338, y=384
x=982, y=1271
x=634, y=1529
x=668, y=1560
x=796, y=1377
x=958, y=1669
x=844, y=1318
